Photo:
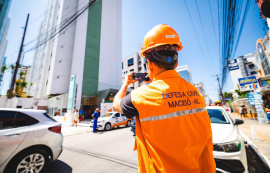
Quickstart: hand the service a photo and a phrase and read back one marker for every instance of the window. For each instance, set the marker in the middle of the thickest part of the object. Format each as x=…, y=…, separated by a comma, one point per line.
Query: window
x=139, y=69
x=122, y=65
x=131, y=70
x=46, y=115
x=251, y=65
x=6, y=120
x=130, y=62
x=253, y=72
x=139, y=63
x=117, y=115
x=24, y=120
x=218, y=116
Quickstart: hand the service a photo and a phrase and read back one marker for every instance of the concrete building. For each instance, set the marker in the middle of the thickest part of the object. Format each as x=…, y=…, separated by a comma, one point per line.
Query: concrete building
x=4, y=26
x=244, y=68
x=184, y=73
x=200, y=88
x=133, y=63
x=90, y=48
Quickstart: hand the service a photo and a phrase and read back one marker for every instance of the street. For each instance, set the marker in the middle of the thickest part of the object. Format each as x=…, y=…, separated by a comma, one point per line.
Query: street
x=106, y=151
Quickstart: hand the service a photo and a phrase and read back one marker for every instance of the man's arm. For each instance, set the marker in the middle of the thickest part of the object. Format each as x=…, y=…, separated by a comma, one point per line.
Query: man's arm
x=122, y=93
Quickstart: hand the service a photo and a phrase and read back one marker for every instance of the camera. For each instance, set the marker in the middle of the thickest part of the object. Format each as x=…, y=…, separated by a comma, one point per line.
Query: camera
x=140, y=76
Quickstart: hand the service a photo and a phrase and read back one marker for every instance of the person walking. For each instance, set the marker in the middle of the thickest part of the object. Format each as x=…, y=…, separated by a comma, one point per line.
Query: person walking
x=173, y=128
x=76, y=117
x=241, y=111
x=245, y=111
x=81, y=112
x=95, y=118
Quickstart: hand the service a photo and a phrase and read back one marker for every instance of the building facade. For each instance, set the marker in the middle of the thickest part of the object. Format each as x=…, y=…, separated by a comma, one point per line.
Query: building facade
x=184, y=73
x=133, y=63
x=243, y=70
x=4, y=26
x=90, y=48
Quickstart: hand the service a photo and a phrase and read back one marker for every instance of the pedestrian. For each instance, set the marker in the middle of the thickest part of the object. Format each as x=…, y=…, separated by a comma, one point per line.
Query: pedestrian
x=241, y=111
x=81, y=112
x=173, y=128
x=95, y=118
x=107, y=113
x=245, y=111
x=76, y=117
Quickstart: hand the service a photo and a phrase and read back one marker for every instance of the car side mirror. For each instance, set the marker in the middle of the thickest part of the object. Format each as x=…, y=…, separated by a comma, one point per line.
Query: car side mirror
x=238, y=122
x=113, y=116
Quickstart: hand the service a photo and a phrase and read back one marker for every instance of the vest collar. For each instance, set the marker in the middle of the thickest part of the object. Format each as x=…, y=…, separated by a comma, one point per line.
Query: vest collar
x=166, y=74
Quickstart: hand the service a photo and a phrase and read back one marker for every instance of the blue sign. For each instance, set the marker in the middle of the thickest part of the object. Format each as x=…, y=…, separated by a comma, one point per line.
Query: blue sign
x=233, y=65
x=247, y=80
x=254, y=96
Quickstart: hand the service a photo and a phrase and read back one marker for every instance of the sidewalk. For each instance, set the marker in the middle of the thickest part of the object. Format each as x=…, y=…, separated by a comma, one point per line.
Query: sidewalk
x=262, y=134
x=83, y=127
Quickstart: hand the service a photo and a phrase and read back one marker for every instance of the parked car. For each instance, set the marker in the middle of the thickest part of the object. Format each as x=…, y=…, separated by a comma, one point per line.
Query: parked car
x=229, y=146
x=133, y=125
x=110, y=120
x=28, y=140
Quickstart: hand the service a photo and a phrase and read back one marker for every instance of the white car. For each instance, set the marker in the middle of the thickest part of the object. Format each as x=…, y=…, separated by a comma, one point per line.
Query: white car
x=110, y=120
x=229, y=146
x=28, y=139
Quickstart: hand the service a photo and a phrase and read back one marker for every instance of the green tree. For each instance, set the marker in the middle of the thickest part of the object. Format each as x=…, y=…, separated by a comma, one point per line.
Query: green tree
x=22, y=73
x=3, y=69
x=12, y=67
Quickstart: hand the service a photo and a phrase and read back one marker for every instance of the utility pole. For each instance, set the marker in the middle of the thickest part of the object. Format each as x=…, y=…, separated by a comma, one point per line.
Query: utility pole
x=18, y=62
x=220, y=89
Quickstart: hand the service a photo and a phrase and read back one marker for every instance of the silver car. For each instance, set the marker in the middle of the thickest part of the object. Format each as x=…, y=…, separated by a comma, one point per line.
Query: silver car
x=28, y=140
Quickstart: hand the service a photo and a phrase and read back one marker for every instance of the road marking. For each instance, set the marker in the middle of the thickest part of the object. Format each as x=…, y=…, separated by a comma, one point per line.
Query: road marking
x=259, y=134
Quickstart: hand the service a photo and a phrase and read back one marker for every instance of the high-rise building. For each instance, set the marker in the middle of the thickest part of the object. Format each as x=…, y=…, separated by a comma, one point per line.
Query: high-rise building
x=200, y=88
x=89, y=47
x=184, y=73
x=133, y=63
x=4, y=26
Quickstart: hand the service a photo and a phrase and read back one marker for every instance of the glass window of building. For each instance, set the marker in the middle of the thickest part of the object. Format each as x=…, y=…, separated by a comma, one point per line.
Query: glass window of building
x=130, y=62
x=264, y=59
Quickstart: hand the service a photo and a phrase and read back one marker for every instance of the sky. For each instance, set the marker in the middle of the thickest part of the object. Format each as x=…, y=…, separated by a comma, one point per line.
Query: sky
x=198, y=34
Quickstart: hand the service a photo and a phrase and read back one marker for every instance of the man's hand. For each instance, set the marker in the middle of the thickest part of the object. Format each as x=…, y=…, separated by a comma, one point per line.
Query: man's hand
x=128, y=79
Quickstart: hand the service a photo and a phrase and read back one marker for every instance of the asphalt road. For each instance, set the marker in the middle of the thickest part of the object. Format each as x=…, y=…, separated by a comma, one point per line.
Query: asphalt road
x=110, y=151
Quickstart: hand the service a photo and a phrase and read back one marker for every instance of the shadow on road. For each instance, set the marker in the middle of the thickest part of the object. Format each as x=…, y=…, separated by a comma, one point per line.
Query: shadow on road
x=113, y=129
x=58, y=166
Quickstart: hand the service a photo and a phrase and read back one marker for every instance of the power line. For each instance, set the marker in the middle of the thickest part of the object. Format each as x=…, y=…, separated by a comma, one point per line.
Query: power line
x=213, y=23
x=63, y=27
x=197, y=36
x=60, y=24
x=204, y=34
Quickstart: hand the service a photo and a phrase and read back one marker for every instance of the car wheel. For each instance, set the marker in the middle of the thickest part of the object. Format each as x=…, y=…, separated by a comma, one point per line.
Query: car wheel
x=29, y=161
x=128, y=124
x=107, y=126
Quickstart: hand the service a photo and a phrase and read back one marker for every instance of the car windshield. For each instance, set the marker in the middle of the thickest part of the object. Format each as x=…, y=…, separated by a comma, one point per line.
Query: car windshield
x=218, y=116
x=107, y=114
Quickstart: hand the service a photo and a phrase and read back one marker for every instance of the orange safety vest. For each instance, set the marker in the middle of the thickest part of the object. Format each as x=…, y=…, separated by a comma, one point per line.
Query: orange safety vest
x=173, y=129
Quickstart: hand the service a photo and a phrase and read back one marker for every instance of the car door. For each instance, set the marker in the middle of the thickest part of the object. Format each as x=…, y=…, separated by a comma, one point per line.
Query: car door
x=12, y=132
x=116, y=119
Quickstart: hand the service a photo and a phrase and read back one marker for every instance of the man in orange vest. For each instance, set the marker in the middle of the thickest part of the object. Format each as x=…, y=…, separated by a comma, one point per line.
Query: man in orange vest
x=173, y=128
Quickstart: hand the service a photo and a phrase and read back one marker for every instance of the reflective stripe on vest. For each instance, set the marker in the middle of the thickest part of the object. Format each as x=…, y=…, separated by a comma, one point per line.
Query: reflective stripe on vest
x=174, y=114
